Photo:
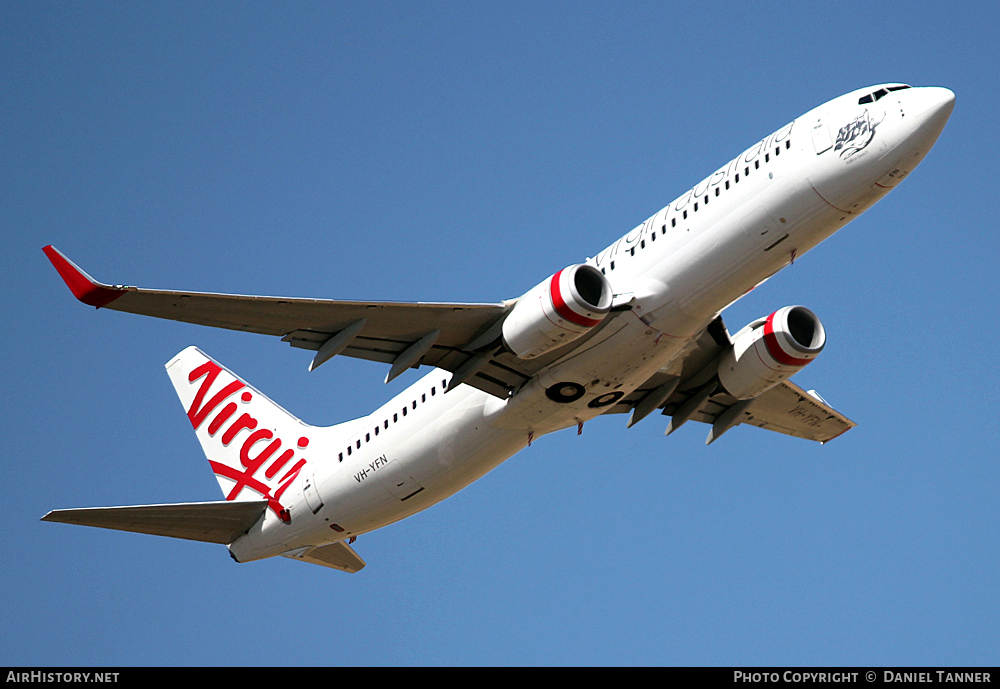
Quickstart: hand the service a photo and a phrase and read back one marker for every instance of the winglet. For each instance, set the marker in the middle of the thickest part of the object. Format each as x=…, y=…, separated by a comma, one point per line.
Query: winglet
x=83, y=287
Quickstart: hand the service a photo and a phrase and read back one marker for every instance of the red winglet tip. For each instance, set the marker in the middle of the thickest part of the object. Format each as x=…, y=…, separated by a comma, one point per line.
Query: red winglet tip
x=83, y=287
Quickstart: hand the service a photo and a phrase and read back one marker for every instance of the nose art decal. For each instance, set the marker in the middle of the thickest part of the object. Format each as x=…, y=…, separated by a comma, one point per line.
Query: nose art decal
x=856, y=135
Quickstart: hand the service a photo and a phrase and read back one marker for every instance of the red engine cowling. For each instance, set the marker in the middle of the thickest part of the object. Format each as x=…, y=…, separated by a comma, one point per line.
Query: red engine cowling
x=770, y=350
x=557, y=311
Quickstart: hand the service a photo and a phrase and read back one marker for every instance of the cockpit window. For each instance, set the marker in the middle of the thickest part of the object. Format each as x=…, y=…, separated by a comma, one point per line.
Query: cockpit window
x=872, y=97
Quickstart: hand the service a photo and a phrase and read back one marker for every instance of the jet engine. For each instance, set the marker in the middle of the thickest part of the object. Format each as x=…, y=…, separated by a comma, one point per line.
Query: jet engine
x=771, y=349
x=557, y=311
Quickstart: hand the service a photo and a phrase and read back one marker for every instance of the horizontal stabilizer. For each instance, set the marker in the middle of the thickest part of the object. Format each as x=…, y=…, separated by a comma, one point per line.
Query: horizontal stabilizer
x=212, y=522
x=335, y=555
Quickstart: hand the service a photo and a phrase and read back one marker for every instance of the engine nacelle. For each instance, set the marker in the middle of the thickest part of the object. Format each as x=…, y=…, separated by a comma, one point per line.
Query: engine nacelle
x=557, y=311
x=771, y=349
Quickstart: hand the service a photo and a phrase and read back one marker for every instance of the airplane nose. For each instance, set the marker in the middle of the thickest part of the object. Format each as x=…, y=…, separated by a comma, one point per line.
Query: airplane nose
x=938, y=102
x=927, y=110
x=933, y=108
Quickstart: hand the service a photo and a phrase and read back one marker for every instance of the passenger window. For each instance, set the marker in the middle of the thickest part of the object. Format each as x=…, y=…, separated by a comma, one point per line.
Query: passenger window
x=414, y=404
x=367, y=437
x=394, y=418
x=387, y=424
x=643, y=243
x=404, y=411
x=727, y=185
x=348, y=450
x=376, y=430
x=756, y=165
x=341, y=457
x=717, y=190
x=433, y=392
x=788, y=144
x=423, y=397
x=767, y=157
x=696, y=207
x=673, y=222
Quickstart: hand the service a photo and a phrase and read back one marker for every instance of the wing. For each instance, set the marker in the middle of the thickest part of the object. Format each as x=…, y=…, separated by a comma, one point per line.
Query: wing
x=456, y=337
x=785, y=408
x=788, y=409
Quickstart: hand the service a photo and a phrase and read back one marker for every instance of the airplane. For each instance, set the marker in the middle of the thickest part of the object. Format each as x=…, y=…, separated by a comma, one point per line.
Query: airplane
x=635, y=329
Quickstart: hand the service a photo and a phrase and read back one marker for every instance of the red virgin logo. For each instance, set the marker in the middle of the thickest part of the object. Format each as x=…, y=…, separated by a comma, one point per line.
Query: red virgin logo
x=258, y=446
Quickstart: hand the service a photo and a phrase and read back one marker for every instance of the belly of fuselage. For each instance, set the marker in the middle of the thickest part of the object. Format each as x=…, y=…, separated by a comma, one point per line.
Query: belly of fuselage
x=390, y=480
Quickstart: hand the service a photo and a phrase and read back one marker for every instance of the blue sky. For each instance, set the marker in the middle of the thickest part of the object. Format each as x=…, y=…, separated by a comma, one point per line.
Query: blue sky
x=463, y=152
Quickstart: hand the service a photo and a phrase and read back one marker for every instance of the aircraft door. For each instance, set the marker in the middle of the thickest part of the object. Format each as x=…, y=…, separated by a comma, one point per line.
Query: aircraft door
x=313, y=499
x=822, y=141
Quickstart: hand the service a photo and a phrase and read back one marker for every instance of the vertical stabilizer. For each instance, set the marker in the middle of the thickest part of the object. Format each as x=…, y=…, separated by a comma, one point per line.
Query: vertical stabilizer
x=256, y=448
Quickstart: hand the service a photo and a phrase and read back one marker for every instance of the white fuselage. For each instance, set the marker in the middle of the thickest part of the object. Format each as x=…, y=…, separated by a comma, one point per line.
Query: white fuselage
x=679, y=269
